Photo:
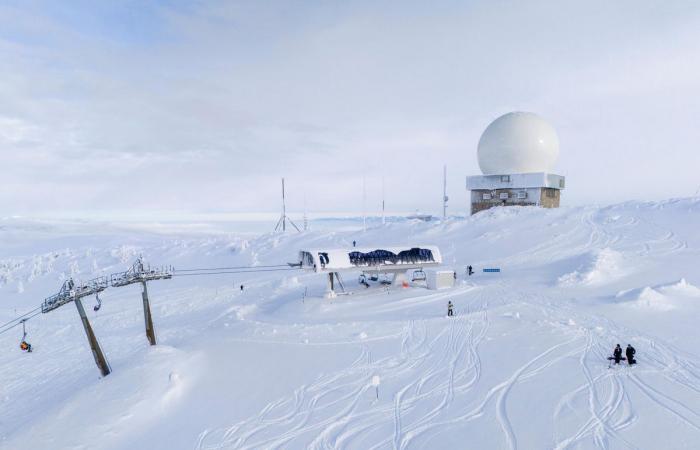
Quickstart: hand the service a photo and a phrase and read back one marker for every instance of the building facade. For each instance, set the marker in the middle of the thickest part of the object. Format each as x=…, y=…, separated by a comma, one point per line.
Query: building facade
x=521, y=189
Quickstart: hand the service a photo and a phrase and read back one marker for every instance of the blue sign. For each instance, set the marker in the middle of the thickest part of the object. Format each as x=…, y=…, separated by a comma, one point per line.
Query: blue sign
x=492, y=270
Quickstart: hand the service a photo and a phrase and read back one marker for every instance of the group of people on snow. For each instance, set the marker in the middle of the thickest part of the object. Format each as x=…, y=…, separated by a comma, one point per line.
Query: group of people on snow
x=617, y=353
x=629, y=354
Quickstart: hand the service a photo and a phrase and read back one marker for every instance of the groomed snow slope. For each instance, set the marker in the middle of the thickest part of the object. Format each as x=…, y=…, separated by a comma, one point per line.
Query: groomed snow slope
x=522, y=365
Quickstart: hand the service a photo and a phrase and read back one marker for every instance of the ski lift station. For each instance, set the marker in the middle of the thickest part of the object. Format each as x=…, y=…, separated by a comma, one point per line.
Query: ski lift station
x=517, y=153
x=372, y=261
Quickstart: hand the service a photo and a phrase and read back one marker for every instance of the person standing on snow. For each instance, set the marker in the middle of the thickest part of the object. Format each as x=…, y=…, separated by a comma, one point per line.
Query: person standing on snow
x=630, y=354
x=470, y=271
x=617, y=354
x=450, y=313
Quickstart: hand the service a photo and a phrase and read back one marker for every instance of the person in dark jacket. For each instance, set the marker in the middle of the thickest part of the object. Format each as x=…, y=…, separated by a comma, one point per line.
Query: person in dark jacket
x=617, y=354
x=629, y=352
x=470, y=271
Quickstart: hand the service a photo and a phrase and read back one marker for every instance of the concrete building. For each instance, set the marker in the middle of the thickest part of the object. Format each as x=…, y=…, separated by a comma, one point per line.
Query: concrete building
x=517, y=153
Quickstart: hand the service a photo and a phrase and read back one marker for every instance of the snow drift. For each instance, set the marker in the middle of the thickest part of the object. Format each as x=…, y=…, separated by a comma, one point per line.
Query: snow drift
x=279, y=366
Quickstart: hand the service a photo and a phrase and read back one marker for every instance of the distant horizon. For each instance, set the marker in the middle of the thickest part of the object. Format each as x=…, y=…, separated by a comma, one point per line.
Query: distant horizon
x=266, y=216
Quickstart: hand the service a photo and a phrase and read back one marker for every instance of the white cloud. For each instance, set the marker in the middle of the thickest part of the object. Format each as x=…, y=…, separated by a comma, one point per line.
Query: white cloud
x=206, y=106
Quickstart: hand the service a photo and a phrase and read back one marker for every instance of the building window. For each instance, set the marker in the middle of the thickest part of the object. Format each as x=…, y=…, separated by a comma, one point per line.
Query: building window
x=561, y=183
x=522, y=195
x=505, y=178
x=551, y=193
x=503, y=196
x=486, y=196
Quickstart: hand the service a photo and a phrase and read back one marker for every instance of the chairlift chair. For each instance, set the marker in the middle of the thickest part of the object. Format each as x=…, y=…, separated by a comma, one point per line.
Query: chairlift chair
x=363, y=280
x=24, y=345
x=418, y=275
x=99, y=302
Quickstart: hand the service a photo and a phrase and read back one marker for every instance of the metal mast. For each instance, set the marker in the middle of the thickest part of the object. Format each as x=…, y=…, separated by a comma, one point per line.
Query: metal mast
x=306, y=218
x=364, y=202
x=383, y=212
x=444, y=192
x=283, y=219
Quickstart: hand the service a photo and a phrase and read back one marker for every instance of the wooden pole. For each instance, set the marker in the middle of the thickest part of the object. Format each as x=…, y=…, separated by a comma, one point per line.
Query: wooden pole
x=92, y=340
x=150, y=332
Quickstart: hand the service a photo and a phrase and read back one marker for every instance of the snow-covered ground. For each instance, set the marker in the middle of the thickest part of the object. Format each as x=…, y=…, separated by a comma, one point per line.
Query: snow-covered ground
x=522, y=365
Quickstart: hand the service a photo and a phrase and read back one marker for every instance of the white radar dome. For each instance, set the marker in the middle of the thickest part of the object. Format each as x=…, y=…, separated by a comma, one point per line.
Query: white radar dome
x=518, y=142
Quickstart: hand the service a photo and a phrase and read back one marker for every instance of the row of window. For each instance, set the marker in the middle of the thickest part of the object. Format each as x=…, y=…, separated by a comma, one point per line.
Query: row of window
x=506, y=196
x=506, y=179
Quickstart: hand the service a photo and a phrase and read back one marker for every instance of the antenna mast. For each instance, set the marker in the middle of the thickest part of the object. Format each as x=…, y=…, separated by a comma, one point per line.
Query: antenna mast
x=444, y=192
x=383, y=213
x=284, y=219
x=364, y=203
x=306, y=219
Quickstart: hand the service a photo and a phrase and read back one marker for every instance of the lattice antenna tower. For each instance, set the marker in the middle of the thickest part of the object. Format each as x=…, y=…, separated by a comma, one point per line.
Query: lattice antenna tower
x=284, y=219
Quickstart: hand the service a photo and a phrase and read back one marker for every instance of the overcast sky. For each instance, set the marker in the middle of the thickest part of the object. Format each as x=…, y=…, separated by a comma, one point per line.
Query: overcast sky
x=203, y=106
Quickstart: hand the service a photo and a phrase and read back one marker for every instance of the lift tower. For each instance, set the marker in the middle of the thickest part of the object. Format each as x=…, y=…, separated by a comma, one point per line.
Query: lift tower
x=141, y=274
x=74, y=292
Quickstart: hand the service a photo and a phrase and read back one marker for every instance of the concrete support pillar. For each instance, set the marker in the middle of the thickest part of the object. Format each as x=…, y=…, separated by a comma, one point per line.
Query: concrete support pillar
x=150, y=332
x=92, y=340
x=331, y=287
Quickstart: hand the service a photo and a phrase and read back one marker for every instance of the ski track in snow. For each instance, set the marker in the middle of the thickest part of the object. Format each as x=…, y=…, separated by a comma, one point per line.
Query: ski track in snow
x=433, y=381
x=421, y=362
x=340, y=423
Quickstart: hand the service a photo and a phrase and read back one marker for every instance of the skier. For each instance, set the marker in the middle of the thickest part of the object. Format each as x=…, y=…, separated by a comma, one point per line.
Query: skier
x=617, y=354
x=470, y=271
x=241, y=288
x=25, y=346
x=630, y=354
x=354, y=243
x=450, y=313
x=454, y=274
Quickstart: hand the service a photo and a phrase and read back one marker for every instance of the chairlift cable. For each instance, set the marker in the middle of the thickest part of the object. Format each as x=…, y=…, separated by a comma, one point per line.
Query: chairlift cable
x=232, y=272
x=228, y=268
x=23, y=318
x=19, y=317
x=19, y=322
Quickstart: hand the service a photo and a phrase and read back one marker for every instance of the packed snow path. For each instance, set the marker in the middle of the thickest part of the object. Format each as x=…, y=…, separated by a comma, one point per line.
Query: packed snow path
x=521, y=365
